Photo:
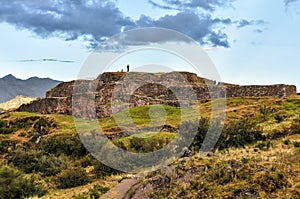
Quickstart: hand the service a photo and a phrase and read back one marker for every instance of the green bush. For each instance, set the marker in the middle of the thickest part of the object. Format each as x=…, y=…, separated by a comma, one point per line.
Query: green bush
x=201, y=133
x=71, y=177
x=101, y=170
x=68, y=145
x=27, y=161
x=270, y=181
x=97, y=191
x=295, y=127
x=278, y=133
x=4, y=129
x=14, y=185
x=93, y=193
x=296, y=144
x=263, y=145
x=286, y=142
x=279, y=117
x=240, y=133
x=6, y=145
x=235, y=134
x=33, y=161
x=51, y=165
x=145, y=145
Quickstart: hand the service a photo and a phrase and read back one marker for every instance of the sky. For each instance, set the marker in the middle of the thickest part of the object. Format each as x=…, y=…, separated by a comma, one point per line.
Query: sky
x=249, y=41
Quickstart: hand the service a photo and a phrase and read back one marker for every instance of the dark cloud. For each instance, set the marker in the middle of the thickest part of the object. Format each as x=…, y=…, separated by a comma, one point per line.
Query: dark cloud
x=47, y=60
x=71, y=18
x=208, y=5
x=258, y=31
x=96, y=20
x=288, y=2
x=242, y=23
x=200, y=28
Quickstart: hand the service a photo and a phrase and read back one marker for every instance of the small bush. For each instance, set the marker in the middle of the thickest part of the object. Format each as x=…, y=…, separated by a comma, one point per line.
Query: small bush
x=263, y=145
x=265, y=112
x=270, y=181
x=93, y=193
x=33, y=161
x=278, y=133
x=6, y=145
x=68, y=145
x=72, y=177
x=296, y=144
x=286, y=142
x=4, y=129
x=27, y=161
x=240, y=133
x=14, y=185
x=201, y=133
x=279, y=117
x=97, y=191
x=295, y=127
x=101, y=170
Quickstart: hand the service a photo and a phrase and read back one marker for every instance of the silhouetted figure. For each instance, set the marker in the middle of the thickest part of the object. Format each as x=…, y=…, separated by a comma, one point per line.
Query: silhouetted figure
x=128, y=68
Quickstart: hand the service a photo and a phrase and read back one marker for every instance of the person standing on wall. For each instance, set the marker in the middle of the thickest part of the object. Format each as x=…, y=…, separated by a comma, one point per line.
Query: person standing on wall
x=128, y=68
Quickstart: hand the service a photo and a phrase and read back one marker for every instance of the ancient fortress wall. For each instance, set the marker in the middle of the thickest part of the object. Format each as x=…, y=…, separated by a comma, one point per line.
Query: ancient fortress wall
x=59, y=99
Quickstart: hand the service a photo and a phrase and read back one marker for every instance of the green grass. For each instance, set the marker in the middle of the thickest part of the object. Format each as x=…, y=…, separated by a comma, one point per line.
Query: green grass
x=145, y=142
x=139, y=117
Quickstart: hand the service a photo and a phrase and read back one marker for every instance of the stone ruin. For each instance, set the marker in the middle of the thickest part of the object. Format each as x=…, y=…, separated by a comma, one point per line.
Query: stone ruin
x=95, y=96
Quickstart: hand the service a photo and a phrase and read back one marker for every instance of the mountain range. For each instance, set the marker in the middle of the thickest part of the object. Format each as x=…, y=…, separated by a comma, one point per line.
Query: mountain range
x=10, y=87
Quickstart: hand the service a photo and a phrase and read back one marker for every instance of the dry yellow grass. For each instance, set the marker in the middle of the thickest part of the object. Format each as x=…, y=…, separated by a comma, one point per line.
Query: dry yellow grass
x=16, y=102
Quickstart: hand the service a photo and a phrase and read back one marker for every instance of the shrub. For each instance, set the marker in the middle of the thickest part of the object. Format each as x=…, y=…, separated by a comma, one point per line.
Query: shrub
x=7, y=144
x=265, y=112
x=286, y=142
x=278, y=133
x=14, y=185
x=97, y=191
x=240, y=133
x=72, y=177
x=101, y=170
x=51, y=165
x=263, y=145
x=32, y=161
x=279, y=117
x=201, y=132
x=93, y=193
x=295, y=127
x=296, y=144
x=26, y=161
x=270, y=181
x=4, y=129
x=68, y=145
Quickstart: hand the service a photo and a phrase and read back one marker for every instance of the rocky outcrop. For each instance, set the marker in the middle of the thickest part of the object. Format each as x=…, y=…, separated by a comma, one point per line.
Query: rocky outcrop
x=90, y=99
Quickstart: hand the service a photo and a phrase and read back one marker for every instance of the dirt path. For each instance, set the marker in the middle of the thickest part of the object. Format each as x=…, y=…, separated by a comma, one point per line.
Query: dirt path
x=121, y=190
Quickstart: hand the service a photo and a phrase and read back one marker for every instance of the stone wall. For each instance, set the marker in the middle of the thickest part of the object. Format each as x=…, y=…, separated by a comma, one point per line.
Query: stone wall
x=279, y=90
x=157, y=89
x=61, y=105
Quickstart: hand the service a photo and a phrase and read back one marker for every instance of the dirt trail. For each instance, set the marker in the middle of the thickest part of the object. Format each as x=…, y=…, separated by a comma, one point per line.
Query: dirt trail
x=121, y=190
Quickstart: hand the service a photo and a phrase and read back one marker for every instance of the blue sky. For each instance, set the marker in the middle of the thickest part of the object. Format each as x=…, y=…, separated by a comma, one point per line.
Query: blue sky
x=250, y=41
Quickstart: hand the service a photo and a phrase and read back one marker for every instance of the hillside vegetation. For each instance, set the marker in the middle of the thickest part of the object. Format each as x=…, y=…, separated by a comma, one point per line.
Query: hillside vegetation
x=256, y=156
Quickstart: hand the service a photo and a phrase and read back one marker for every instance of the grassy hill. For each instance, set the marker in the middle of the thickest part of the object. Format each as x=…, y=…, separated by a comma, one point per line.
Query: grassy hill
x=16, y=102
x=257, y=155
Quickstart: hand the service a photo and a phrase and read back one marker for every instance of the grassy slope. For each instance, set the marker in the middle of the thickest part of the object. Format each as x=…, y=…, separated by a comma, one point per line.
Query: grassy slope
x=281, y=154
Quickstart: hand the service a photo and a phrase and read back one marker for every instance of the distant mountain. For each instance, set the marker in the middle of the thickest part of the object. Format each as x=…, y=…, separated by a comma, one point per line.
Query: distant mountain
x=10, y=87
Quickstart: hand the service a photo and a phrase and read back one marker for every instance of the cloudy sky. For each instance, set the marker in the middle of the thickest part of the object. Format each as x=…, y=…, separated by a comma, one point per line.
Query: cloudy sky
x=250, y=41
